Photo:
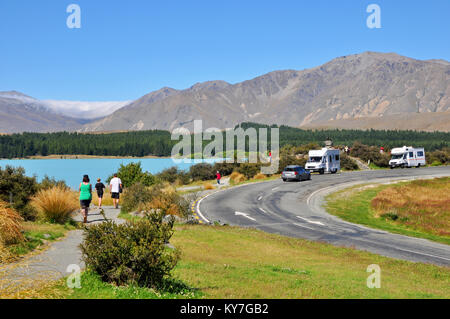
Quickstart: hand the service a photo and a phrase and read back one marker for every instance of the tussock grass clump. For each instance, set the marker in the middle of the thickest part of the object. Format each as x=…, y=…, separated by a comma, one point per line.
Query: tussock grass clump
x=422, y=204
x=10, y=225
x=158, y=197
x=55, y=205
x=236, y=178
x=208, y=186
x=106, y=201
x=259, y=176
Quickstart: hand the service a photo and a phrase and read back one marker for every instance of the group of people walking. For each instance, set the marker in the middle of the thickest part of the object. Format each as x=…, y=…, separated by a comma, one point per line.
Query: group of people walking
x=115, y=186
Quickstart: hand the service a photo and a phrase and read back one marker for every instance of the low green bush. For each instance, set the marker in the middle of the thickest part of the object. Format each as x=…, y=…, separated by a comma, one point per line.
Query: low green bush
x=132, y=173
x=134, y=196
x=133, y=252
x=249, y=170
x=174, y=175
x=139, y=197
x=202, y=172
x=17, y=189
x=348, y=163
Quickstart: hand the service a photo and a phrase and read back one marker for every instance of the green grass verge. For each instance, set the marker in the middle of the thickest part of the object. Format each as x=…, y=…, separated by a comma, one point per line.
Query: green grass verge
x=230, y=262
x=353, y=205
x=38, y=234
x=92, y=287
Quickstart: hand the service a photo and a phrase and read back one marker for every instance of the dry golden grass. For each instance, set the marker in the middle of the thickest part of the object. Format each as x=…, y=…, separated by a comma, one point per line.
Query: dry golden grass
x=259, y=176
x=106, y=201
x=422, y=204
x=208, y=186
x=236, y=178
x=10, y=225
x=55, y=204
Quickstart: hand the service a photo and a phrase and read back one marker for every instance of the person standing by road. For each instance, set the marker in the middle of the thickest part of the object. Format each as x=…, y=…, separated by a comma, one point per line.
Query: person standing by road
x=116, y=186
x=219, y=177
x=100, y=187
x=85, y=197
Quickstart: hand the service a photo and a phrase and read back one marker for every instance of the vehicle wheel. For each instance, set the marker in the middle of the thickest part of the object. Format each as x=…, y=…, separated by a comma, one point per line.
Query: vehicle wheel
x=392, y=167
x=321, y=172
x=418, y=166
x=284, y=179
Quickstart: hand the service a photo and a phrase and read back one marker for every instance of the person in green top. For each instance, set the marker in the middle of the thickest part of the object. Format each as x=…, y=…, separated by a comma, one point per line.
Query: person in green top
x=85, y=197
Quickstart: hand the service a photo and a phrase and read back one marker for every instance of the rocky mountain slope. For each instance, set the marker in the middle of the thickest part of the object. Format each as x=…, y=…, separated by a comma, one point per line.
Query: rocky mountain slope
x=358, y=91
x=21, y=113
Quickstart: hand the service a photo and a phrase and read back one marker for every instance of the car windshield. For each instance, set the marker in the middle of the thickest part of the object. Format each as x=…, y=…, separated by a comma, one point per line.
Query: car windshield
x=291, y=169
x=399, y=156
x=315, y=159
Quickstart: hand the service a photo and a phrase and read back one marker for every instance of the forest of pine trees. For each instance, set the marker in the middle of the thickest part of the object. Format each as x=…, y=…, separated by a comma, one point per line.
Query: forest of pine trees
x=159, y=143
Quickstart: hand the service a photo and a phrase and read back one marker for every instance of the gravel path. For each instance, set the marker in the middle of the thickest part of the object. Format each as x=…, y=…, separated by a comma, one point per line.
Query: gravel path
x=54, y=262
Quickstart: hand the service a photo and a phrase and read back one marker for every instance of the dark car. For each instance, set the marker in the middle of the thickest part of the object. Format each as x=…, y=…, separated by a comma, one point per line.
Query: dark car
x=295, y=172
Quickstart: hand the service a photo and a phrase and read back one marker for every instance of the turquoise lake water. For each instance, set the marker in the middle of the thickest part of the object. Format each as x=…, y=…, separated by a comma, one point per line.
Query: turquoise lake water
x=72, y=170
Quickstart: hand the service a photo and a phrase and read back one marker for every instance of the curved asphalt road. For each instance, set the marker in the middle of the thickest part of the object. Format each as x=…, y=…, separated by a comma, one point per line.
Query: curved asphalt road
x=295, y=209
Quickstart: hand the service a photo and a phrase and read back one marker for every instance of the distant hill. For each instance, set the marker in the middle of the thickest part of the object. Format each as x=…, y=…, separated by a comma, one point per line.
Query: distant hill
x=22, y=113
x=19, y=113
x=368, y=90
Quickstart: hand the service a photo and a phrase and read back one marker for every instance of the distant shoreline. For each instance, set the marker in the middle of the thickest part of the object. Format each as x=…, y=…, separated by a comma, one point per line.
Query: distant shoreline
x=51, y=157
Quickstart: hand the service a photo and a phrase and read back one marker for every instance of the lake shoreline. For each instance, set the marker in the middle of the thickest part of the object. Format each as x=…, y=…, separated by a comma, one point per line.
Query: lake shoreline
x=53, y=157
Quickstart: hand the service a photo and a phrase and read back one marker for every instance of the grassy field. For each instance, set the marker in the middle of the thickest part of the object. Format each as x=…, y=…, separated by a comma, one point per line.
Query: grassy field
x=419, y=208
x=229, y=262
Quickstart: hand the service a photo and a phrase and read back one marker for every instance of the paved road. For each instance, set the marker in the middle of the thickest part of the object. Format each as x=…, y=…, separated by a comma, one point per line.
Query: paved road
x=295, y=209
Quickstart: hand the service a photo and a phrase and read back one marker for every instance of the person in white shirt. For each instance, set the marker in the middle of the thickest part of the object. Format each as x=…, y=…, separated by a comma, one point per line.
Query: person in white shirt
x=115, y=186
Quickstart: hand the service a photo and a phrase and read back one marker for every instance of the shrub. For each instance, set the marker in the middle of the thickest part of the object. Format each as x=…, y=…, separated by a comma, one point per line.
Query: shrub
x=132, y=173
x=225, y=169
x=131, y=253
x=55, y=205
x=287, y=159
x=10, y=225
x=249, y=170
x=236, y=178
x=347, y=163
x=141, y=198
x=174, y=175
x=202, y=172
x=48, y=183
x=15, y=186
x=371, y=153
x=134, y=196
x=441, y=157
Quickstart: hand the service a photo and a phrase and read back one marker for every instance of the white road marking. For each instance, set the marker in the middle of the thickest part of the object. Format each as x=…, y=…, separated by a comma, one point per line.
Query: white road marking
x=303, y=226
x=245, y=215
x=274, y=189
x=311, y=221
x=260, y=197
x=262, y=210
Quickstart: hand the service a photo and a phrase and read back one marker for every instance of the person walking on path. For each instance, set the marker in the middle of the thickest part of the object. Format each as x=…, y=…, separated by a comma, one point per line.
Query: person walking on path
x=219, y=177
x=116, y=188
x=100, y=187
x=85, y=197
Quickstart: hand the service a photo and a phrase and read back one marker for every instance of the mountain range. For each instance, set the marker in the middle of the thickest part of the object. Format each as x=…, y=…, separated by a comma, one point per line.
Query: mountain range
x=367, y=90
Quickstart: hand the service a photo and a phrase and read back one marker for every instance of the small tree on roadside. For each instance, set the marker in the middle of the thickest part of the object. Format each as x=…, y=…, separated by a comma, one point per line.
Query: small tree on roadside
x=132, y=173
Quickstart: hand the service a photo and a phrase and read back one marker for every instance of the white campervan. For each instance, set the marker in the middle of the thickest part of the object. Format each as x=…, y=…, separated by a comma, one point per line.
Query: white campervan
x=407, y=157
x=324, y=160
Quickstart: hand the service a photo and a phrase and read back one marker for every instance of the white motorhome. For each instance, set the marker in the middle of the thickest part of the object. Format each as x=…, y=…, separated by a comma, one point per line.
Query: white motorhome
x=324, y=160
x=407, y=157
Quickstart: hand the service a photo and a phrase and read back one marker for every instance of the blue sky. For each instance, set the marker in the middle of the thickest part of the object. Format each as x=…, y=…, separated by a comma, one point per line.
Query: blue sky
x=126, y=49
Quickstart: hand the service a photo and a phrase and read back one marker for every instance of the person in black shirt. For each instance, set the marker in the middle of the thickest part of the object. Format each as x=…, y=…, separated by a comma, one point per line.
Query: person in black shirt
x=100, y=187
